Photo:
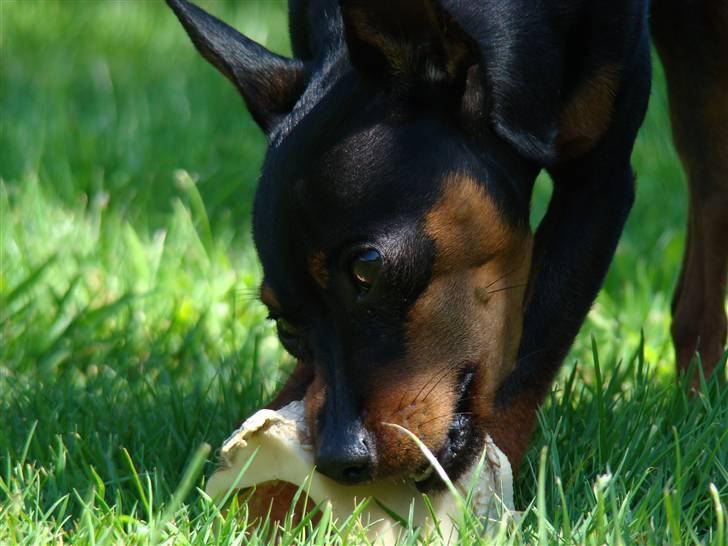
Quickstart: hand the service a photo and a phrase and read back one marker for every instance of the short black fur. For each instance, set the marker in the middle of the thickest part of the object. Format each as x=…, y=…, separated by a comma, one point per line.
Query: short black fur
x=364, y=127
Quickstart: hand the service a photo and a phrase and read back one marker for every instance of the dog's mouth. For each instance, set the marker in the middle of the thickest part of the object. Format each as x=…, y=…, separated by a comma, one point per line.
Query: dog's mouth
x=463, y=441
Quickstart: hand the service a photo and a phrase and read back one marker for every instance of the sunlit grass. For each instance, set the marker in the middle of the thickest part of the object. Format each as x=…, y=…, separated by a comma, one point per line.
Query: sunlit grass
x=130, y=333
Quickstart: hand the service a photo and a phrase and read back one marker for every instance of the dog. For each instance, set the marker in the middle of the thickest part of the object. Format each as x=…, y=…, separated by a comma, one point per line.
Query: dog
x=392, y=213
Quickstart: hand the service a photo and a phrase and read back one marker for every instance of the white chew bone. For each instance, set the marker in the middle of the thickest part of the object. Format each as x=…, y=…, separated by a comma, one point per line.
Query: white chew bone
x=283, y=453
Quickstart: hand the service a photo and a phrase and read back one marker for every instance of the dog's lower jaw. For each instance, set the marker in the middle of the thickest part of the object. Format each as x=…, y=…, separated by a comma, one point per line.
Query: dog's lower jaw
x=463, y=443
x=461, y=448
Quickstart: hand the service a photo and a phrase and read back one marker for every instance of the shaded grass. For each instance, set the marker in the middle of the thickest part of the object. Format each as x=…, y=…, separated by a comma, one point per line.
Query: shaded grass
x=130, y=334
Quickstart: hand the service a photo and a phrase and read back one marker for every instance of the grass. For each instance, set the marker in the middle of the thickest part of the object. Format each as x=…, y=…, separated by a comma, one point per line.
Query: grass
x=130, y=335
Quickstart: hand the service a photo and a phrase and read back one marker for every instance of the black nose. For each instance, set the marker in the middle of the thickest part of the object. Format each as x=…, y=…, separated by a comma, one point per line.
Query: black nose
x=345, y=455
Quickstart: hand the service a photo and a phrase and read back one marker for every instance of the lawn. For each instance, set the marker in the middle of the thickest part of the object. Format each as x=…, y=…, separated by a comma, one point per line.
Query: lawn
x=131, y=337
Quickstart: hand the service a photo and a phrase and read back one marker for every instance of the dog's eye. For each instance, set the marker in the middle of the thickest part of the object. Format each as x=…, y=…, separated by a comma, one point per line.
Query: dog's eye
x=366, y=267
x=288, y=329
x=293, y=339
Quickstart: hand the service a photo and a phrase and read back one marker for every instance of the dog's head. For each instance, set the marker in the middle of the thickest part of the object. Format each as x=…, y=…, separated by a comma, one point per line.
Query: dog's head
x=391, y=220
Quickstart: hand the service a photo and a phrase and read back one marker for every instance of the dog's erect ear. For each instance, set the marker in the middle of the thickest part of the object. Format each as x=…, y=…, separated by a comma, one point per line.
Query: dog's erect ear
x=524, y=63
x=269, y=83
x=406, y=42
x=412, y=43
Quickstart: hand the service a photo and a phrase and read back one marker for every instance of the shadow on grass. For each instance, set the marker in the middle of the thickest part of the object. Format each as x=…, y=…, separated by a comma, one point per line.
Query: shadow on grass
x=641, y=443
x=74, y=423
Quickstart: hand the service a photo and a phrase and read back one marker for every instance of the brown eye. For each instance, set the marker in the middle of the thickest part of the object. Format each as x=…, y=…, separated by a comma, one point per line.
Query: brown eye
x=366, y=268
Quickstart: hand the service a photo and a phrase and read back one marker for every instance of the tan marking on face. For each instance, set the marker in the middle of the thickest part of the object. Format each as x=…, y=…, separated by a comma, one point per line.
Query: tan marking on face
x=314, y=402
x=474, y=305
x=471, y=313
x=317, y=268
x=587, y=115
x=466, y=226
x=269, y=298
x=417, y=399
x=511, y=428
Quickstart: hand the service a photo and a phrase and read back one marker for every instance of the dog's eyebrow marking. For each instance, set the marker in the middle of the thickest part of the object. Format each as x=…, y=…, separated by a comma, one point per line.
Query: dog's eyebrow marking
x=465, y=225
x=317, y=268
x=269, y=298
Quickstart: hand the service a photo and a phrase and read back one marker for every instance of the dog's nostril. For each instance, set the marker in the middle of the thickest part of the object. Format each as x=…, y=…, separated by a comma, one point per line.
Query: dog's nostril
x=356, y=473
x=345, y=467
x=346, y=459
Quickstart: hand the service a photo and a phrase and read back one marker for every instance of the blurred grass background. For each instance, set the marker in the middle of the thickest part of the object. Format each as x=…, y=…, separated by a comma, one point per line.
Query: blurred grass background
x=128, y=317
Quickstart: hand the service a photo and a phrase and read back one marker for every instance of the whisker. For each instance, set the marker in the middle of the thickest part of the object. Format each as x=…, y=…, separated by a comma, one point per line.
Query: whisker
x=249, y=288
x=444, y=370
x=450, y=415
x=247, y=295
x=529, y=355
x=449, y=370
x=506, y=288
x=507, y=273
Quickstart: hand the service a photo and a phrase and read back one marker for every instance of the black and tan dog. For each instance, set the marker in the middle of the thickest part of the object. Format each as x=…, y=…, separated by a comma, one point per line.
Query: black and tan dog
x=392, y=213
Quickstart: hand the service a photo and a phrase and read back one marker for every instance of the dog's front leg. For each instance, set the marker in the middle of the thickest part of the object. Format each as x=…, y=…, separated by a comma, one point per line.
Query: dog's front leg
x=573, y=248
x=574, y=245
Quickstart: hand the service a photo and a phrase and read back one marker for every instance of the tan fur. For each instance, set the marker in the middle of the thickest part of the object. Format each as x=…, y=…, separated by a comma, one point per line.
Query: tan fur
x=480, y=273
x=317, y=268
x=586, y=116
x=397, y=53
x=314, y=402
x=413, y=397
x=511, y=428
x=471, y=313
x=269, y=298
x=402, y=55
